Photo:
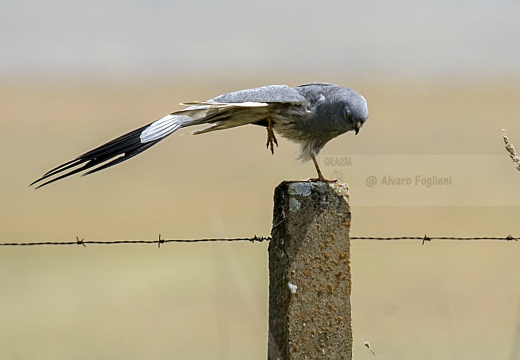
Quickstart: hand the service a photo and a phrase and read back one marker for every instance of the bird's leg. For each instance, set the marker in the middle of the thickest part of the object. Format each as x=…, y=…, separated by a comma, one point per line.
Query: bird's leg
x=320, y=175
x=271, y=138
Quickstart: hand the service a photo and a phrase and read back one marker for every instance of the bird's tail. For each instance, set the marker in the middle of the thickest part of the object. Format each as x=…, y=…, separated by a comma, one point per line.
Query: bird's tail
x=117, y=151
x=220, y=115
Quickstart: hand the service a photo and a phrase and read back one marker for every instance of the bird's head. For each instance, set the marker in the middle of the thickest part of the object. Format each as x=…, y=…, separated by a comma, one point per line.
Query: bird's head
x=356, y=111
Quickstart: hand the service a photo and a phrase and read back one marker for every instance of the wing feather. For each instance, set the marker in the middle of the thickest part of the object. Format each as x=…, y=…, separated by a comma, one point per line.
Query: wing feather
x=122, y=148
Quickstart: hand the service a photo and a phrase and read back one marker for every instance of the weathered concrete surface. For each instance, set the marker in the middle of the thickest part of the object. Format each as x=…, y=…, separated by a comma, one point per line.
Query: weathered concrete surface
x=309, y=272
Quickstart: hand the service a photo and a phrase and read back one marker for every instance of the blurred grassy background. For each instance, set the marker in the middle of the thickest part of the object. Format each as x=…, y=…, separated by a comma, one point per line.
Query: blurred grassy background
x=441, y=78
x=441, y=300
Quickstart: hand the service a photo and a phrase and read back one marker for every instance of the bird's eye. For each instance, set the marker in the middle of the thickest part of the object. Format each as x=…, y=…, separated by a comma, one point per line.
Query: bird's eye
x=348, y=116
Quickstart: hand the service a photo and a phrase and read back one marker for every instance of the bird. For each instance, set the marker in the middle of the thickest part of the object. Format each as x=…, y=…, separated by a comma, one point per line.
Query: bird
x=310, y=115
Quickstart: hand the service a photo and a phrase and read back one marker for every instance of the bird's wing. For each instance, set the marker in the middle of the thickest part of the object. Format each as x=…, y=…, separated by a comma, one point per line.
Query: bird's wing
x=223, y=112
x=266, y=94
x=248, y=107
x=224, y=115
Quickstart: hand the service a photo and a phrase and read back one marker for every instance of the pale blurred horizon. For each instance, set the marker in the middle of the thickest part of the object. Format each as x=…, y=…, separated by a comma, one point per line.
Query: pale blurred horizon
x=59, y=39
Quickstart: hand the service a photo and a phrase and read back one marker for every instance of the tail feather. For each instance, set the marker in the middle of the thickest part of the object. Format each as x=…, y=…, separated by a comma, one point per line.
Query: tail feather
x=121, y=148
x=219, y=115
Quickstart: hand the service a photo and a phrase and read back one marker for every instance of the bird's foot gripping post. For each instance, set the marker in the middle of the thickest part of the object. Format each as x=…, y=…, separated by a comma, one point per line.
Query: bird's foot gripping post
x=320, y=175
x=309, y=272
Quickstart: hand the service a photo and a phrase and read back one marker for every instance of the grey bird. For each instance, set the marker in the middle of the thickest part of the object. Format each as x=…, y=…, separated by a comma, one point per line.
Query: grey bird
x=309, y=115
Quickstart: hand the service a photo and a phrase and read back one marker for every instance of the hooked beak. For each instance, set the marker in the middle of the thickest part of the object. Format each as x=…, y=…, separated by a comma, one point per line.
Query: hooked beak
x=358, y=126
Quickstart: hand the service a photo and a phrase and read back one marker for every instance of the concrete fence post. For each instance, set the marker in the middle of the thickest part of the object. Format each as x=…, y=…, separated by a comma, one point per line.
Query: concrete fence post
x=309, y=272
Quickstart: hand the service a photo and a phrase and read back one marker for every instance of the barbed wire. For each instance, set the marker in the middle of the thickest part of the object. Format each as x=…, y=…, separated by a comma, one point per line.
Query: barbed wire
x=427, y=238
x=159, y=241
x=253, y=239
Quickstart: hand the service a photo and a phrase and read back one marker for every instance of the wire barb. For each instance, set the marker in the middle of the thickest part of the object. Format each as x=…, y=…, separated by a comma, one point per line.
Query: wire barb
x=159, y=241
x=80, y=242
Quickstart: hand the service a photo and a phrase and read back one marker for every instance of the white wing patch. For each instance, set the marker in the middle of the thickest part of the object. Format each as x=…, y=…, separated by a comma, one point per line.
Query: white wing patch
x=235, y=114
x=161, y=128
x=217, y=105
